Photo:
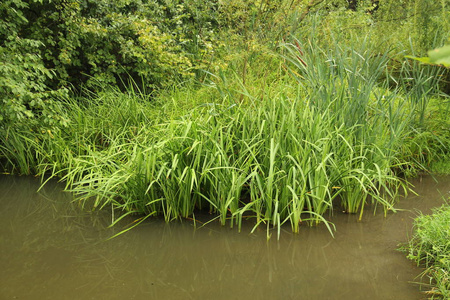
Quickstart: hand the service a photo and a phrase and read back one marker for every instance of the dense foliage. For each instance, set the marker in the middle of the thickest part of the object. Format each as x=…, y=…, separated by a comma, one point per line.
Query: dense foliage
x=49, y=46
x=105, y=40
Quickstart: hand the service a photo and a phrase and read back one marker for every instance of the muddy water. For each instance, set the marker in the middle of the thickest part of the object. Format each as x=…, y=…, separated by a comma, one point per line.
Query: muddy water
x=50, y=249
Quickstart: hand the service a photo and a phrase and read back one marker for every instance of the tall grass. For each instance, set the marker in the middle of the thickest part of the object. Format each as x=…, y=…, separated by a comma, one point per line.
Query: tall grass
x=278, y=161
x=284, y=157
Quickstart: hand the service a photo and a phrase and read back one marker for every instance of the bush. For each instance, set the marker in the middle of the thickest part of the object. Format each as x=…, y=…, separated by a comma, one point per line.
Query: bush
x=85, y=41
x=24, y=93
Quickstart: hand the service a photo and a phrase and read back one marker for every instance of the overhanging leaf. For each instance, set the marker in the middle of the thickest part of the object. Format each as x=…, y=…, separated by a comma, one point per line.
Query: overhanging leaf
x=440, y=56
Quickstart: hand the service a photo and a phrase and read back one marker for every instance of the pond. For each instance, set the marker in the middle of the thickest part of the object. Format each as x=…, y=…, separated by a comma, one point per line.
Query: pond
x=52, y=249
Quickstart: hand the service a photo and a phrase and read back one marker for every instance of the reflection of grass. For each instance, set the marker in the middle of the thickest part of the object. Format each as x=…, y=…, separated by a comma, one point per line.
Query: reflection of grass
x=430, y=246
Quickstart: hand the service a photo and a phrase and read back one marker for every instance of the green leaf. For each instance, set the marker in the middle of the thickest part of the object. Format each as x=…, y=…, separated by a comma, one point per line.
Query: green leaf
x=440, y=56
x=425, y=60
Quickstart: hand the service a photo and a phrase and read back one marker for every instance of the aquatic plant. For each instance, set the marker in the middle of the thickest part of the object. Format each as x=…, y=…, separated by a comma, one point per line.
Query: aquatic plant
x=330, y=135
x=430, y=247
x=278, y=159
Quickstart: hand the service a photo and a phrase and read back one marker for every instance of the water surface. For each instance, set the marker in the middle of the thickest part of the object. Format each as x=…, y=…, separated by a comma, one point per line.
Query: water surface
x=51, y=249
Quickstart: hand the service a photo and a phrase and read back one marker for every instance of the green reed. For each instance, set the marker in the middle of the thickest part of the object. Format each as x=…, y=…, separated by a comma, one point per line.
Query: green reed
x=16, y=150
x=288, y=157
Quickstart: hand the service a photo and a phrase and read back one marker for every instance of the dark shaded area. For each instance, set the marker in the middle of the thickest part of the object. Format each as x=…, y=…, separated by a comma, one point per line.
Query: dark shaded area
x=354, y=4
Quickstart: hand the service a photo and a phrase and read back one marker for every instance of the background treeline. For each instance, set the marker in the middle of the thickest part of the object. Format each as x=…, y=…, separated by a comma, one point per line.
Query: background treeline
x=48, y=48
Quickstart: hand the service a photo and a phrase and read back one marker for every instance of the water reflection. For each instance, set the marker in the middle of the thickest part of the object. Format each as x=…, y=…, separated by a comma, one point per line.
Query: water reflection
x=51, y=249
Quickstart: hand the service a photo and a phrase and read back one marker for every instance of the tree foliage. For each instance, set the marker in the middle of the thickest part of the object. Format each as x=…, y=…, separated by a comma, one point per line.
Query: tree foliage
x=47, y=46
x=24, y=93
x=106, y=41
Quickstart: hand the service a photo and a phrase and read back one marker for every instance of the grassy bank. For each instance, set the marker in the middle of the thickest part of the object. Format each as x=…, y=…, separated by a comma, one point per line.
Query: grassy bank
x=430, y=248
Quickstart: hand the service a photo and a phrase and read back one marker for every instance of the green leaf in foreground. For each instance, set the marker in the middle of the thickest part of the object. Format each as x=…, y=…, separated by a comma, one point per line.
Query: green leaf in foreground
x=439, y=56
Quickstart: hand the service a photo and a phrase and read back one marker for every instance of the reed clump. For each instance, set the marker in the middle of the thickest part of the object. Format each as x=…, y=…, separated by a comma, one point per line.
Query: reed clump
x=328, y=135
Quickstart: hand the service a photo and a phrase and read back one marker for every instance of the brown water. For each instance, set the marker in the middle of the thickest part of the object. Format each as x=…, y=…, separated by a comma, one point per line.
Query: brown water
x=50, y=249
